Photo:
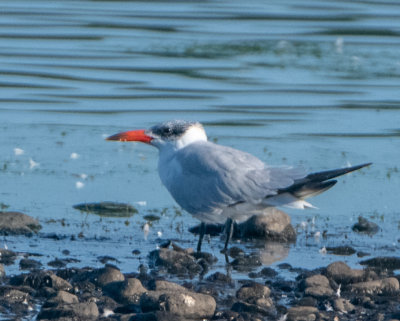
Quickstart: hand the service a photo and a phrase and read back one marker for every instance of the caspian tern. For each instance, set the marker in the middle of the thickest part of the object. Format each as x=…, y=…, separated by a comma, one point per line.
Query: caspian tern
x=219, y=184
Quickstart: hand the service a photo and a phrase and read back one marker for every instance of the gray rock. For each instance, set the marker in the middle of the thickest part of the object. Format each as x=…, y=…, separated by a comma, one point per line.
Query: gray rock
x=317, y=280
x=7, y=257
x=302, y=313
x=29, y=264
x=41, y=279
x=383, y=263
x=108, y=275
x=184, y=304
x=343, y=305
x=2, y=271
x=365, y=226
x=130, y=291
x=15, y=223
x=272, y=225
x=80, y=311
x=166, y=286
x=386, y=286
x=175, y=262
x=341, y=273
x=252, y=292
x=62, y=297
x=251, y=308
x=319, y=292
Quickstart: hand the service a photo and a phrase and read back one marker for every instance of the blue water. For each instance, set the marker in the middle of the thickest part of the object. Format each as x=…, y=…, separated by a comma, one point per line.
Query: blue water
x=306, y=83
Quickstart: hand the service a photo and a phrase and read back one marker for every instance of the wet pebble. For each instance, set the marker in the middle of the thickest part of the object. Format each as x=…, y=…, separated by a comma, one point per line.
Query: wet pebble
x=79, y=311
x=175, y=262
x=365, y=226
x=186, y=304
x=383, y=263
x=29, y=264
x=108, y=274
x=16, y=223
x=272, y=225
x=7, y=257
x=341, y=250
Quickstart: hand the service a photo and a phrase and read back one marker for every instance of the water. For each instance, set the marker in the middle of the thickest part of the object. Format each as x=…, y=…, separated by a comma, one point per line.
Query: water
x=307, y=83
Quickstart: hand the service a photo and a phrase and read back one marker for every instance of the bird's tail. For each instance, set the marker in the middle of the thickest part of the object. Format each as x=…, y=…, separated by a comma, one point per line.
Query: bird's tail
x=316, y=183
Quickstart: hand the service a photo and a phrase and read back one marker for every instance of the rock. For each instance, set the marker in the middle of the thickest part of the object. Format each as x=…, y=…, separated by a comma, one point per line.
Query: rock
x=247, y=262
x=388, y=286
x=251, y=292
x=15, y=223
x=40, y=279
x=220, y=278
x=343, y=305
x=131, y=290
x=166, y=286
x=365, y=226
x=80, y=311
x=250, y=308
x=340, y=272
x=175, y=262
x=62, y=297
x=211, y=229
x=272, y=225
x=341, y=250
x=107, y=209
x=317, y=280
x=108, y=275
x=302, y=313
x=28, y=264
x=7, y=257
x=2, y=271
x=319, y=292
x=383, y=263
x=185, y=304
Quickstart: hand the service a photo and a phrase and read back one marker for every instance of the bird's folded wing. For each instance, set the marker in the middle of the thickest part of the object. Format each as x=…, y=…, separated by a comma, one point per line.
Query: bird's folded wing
x=213, y=177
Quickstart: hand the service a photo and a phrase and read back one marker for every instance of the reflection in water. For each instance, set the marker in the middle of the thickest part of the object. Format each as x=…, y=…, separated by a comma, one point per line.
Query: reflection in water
x=274, y=252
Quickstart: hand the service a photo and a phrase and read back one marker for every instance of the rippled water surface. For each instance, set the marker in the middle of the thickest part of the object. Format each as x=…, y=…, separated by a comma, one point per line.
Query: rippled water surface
x=307, y=83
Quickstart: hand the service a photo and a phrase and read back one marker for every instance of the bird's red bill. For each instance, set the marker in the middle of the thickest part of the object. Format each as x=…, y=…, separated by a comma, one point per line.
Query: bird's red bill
x=131, y=136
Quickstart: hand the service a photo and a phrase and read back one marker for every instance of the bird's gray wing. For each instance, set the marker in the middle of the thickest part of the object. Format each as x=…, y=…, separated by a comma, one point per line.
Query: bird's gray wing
x=210, y=177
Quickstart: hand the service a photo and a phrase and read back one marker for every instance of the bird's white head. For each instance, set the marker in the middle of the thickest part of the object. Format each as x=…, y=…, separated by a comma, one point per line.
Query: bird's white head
x=174, y=134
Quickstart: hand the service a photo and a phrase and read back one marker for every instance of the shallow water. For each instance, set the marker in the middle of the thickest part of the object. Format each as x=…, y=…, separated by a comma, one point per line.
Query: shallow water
x=312, y=84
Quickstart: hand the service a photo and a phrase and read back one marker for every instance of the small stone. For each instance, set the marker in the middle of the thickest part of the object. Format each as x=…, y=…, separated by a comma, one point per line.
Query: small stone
x=2, y=271
x=386, y=286
x=62, y=297
x=251, y=308
x=28, y=264
x=272, y=225
x=175, y=262
x=250, y=293
x=365, y=226
x=15, y=223
x=340, y=272
x=219, y=277
x=319, y=292
x=317, y=280
x=108, y=275
x=7, y=257
x=343, y=305
x=341, y=250
x=302, y=313
x=80, y=311
x=131, y=290
x=383, y=263
x=185, y=304
x=165, y=286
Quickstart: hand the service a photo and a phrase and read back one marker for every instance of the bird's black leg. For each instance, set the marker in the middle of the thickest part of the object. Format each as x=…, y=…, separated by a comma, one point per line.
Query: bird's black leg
x=229, y=231
x=202, y=232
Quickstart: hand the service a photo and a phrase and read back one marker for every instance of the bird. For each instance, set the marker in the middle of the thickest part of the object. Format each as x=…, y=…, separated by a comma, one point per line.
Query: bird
x=220, y=184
